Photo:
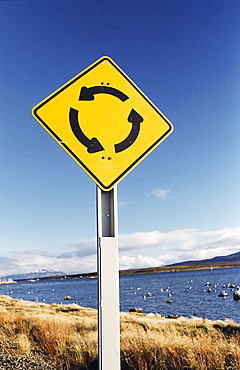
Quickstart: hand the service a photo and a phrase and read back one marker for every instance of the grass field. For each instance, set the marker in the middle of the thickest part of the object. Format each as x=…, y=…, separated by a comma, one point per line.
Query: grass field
x=67, y=334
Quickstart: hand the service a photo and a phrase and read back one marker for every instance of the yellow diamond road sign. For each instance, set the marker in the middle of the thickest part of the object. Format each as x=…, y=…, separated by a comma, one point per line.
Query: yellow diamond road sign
x=104, y=121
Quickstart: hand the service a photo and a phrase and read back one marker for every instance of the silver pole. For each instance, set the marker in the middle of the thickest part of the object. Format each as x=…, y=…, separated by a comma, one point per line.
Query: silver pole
x=108, y=281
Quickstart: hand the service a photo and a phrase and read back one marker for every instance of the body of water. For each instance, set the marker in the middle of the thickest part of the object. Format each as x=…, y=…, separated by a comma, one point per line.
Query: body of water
x=193, y=293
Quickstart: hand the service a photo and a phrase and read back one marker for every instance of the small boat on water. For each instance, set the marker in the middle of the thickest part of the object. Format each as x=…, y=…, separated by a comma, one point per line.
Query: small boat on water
x=7, y=281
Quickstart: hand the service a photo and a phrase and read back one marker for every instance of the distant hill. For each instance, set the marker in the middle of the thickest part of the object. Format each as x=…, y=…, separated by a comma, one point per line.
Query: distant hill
x=37, y=274
x=232, y=260
x=219, y=259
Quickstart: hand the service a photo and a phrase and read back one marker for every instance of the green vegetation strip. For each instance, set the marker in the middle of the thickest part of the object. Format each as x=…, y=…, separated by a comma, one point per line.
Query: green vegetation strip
x=176, y=268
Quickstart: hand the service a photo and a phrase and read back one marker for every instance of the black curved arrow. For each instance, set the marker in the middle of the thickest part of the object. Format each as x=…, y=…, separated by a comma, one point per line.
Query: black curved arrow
x=136, y=119
x=88, y=93
x=93, y=145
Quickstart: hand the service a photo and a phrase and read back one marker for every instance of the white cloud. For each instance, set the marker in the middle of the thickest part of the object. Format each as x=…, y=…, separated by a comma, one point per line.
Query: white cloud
x=33, y=260
x=127, y=262
x=139, y=240
x=161, y=193
x=185, y=237
x=182, y=245
x=136, y=250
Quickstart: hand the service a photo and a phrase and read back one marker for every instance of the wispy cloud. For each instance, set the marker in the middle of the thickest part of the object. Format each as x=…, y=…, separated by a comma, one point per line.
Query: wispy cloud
x=82, y=248
x=161, y=193
x=123, y=203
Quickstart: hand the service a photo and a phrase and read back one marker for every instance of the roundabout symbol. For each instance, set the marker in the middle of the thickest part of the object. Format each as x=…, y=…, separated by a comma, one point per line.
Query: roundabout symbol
x=93, y=145
x=107, y=127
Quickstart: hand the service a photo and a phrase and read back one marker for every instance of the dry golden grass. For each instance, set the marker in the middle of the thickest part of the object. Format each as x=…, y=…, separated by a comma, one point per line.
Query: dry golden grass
x=196, y=344
x=68, y=335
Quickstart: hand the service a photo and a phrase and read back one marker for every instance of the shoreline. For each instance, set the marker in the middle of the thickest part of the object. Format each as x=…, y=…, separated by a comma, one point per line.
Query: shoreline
x=41, y=336
x=147, y=270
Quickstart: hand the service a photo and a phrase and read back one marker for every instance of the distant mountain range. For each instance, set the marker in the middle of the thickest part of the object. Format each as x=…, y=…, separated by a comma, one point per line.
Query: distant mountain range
x=219, y=259
x=234, y=257
x=37, y=274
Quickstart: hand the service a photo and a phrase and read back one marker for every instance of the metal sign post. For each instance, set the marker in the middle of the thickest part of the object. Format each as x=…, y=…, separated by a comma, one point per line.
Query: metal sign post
x=81, y=116
x=108, y=280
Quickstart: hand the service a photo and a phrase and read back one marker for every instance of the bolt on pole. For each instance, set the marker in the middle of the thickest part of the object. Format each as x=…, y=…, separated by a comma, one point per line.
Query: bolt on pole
x=108, y=280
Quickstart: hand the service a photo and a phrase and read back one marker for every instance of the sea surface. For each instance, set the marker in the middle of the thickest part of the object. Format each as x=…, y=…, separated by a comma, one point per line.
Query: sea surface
x=193, y=293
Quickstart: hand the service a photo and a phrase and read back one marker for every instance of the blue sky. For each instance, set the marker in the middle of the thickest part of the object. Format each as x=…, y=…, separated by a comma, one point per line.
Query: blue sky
x=182, y=201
